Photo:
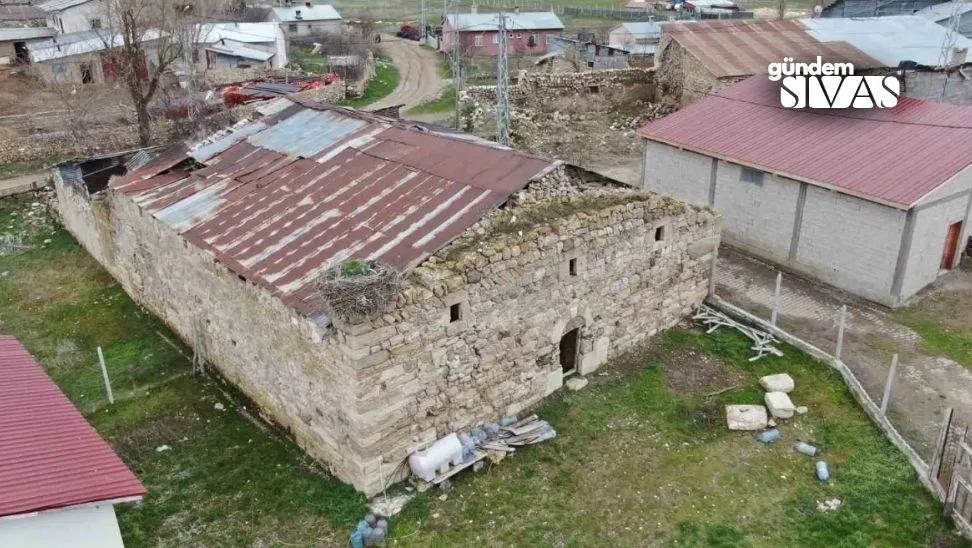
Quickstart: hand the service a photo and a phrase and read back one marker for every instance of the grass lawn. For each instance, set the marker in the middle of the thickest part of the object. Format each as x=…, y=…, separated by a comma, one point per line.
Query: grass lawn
x=642, y=457
x=944, y=321
x=445, y=103
x=310, y=62
x=384, y=82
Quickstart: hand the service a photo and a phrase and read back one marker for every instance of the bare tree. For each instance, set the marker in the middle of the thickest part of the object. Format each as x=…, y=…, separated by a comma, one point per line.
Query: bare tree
x=146, y=37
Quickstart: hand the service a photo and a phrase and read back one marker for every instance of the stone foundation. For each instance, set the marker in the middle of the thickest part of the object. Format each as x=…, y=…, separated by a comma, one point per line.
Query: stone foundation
x=476, y=334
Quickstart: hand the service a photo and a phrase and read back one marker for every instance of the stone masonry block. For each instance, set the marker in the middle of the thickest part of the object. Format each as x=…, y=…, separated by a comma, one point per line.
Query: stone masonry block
x=780, y=382
x=779, y=405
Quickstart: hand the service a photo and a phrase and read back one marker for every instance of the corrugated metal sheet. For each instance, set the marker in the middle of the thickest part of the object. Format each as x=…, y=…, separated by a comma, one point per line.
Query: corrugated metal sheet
x=890, y=39
x=485, y=22
x=944, y=11
x=891, y=156
x=317, y=185
x=20, y=12
x=302, y=13
x=24, y=33
x=741, y=48
x=874, y=8
x=50, y=457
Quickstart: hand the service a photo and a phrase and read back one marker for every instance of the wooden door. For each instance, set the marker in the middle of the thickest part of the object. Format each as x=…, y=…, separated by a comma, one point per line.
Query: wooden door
x=951, y=244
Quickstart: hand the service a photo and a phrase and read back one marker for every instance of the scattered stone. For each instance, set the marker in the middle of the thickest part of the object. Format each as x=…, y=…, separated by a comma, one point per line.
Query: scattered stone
x=576, y=383
x=771, y=423
x=389, y=506
x=443, y=497
x=802, y=410
x=162, y=448
x=828, y=505
x=219, y=406
x=746, y=417
x=186, y=474
x=780, y=382
x=779, y=405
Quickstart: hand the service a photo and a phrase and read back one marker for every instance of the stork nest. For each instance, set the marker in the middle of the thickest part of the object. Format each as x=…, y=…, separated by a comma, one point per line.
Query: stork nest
x=356, y=290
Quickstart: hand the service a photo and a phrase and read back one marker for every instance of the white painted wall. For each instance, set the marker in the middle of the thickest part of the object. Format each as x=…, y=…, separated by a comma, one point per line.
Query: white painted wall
x=87, y=526
x=679, y=173
x=77, y=18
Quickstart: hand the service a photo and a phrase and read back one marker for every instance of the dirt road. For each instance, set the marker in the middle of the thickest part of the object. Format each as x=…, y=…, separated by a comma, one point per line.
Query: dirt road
x=419, y=81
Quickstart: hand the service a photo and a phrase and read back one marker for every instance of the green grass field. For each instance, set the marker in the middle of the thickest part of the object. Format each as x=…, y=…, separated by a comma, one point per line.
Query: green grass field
x=642, y=457
x=381, y=85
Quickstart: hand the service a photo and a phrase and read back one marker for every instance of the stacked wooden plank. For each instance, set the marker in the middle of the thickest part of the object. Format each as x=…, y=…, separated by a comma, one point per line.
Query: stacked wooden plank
x=763, y=341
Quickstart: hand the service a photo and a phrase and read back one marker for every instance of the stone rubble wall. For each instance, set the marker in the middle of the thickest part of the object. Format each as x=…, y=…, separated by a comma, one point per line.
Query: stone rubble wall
x=284, y=363
x=589, y=91
x=425, y=376
x=681, y=78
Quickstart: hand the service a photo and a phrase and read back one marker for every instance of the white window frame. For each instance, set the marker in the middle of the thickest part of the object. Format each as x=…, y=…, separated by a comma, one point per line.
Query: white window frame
x=478, y=40
x=496, y=38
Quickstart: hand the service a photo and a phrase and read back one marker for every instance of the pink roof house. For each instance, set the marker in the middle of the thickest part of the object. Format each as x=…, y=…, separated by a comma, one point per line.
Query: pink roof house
x=477, y=34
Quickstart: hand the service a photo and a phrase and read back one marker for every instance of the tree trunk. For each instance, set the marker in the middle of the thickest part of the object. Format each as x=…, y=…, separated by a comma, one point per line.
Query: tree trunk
x=144, y=123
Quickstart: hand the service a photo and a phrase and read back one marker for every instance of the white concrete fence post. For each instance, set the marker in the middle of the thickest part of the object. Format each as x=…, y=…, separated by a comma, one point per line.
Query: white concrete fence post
x=888, y=384
x=104, y=373
x=776, y=299
x=840, y=332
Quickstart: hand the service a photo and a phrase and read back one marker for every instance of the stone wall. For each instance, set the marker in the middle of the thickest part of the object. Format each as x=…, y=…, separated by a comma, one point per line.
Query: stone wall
x=619, y=268
x=681, y=78
x=617, y=265
x=590, y=91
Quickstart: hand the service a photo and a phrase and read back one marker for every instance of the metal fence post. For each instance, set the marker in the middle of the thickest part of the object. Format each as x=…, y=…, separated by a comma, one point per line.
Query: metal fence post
x=776, y=298
x=104, y=373
x=840, y=332
x=712, y=271
x=888, y=384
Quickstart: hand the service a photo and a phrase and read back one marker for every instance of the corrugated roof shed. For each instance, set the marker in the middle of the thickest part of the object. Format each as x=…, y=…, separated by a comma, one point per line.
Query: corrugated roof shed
x=58, y=5
x=237, y=49
x=250, y=33
x=741, y=48
x=282, y=199
x=891, y=156
x=874, y=8
x=890, y=40
x=941, y=12
x=315, y=12
x=50, y=457
x=485, y=22
x=77, y=43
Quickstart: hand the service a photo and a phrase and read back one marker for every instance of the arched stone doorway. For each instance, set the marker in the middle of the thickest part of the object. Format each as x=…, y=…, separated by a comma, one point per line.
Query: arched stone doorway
x=570, y=345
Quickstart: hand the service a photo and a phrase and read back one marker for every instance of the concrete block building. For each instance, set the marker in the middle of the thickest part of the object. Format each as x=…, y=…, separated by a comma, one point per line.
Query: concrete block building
x=307, y=19
x=477, y=34
x=875, y=202
x=505, y=295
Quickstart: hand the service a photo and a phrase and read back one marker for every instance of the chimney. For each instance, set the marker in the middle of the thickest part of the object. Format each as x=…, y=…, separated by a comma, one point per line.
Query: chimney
x=473, y=9
x=297, y=15
x=308, y=4
x=516, y=9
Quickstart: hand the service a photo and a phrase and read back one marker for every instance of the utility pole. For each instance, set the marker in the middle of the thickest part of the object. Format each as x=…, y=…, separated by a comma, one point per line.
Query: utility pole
x=948, y=45
x=502, y=88
x=424, y=23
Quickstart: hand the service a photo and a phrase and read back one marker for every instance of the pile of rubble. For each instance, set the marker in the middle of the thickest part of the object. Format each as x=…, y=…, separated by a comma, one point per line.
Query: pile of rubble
x=644, y=113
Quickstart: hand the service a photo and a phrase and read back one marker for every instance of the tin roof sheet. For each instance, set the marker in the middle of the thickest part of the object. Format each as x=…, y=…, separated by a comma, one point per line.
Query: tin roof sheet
x=315, y=12
x=237, y=49
x=890, y=156
x=50, y=457
x=20, y=12
x=742, y=48
x=280, y=200
x=486, y=22
x=58, y=5
x=25, y=33
x=890, y=39
x=250, y=33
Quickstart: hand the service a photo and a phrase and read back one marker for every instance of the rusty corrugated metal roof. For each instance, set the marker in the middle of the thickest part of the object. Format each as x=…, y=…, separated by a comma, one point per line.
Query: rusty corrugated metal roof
x=741, y=48
x=50, y=457
x=280, y=200
x=892, y=156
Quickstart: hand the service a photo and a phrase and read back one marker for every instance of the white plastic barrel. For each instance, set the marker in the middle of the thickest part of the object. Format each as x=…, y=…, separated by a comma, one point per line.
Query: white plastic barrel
x=444, y=451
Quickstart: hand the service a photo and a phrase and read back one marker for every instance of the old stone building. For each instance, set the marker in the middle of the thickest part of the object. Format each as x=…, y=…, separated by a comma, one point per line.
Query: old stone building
x=519, y=271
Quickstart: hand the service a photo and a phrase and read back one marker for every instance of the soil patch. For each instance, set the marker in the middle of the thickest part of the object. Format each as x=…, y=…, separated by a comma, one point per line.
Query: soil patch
x=689, y=371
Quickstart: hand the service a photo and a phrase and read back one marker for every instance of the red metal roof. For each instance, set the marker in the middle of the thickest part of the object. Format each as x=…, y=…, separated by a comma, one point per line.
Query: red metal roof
x=283, y=198
x=50, y=457
x=892, y=156
x=740, y=48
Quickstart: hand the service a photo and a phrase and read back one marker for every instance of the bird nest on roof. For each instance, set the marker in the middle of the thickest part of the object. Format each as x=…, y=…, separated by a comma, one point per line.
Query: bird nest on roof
x=356, y=290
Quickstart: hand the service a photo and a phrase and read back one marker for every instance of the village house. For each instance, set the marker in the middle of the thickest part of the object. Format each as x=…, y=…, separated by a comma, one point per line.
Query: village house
x=568, y=55
x=306, y=19
x=874, y=8
x=59, y=481
x=942, y=14
x=240, y=45
x=518, y=272
x=639, y=39
x=86, y=57
x=701, y=58
x=477, y=34
x=70, y=16
x=875, y=202
x=22, y=15
x=14, y=42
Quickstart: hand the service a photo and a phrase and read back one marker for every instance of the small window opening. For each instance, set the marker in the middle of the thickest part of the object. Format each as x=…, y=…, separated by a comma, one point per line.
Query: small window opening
x=659, y=234
x=455, y=312
x=594, y=89
x=751, y=176
x=572, y=267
